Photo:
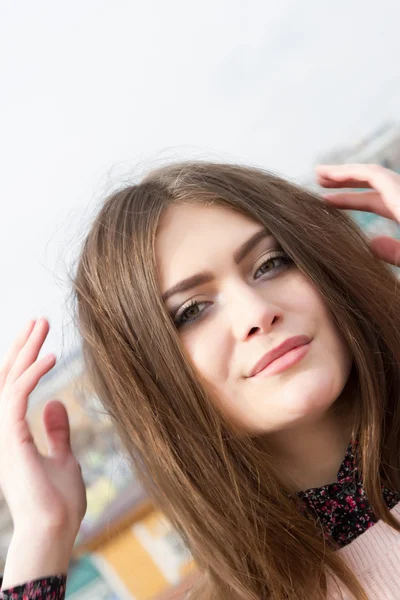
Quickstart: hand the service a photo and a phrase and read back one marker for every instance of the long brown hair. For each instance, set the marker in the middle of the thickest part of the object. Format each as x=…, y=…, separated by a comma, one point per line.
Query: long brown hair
x=221, y=490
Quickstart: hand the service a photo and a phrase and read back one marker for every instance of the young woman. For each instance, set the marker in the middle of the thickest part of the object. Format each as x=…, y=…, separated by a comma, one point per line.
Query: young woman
x=243, y=335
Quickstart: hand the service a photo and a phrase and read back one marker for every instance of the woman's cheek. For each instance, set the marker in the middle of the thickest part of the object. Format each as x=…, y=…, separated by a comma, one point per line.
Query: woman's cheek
x=208, y=355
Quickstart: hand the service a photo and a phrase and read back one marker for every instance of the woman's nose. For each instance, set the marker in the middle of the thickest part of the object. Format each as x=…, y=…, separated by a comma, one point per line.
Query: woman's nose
x=250, y=312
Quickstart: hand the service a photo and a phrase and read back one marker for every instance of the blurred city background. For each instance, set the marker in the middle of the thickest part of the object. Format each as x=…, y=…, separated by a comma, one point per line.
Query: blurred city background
x=95, y=92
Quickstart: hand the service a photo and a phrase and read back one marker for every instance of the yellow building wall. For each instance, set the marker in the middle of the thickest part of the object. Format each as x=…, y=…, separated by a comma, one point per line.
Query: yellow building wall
x=139, y=557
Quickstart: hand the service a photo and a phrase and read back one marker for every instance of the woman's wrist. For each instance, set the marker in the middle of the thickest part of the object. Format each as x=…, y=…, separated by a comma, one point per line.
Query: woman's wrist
x=35, y=555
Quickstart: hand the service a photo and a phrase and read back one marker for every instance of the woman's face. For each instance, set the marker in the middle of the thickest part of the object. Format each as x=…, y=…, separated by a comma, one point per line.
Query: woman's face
x=246, y=302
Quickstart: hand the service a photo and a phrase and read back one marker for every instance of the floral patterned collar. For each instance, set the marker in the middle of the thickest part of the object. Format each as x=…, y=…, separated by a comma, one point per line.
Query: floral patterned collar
x=342, y=507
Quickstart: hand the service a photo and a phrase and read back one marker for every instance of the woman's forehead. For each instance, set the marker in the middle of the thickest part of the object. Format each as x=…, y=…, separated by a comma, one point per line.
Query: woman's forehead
x=192, y=238
x=202, y=219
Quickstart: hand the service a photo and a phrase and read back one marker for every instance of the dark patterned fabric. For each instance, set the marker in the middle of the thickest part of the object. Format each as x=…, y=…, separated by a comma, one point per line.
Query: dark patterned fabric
x=342, y=508
x=47, y=588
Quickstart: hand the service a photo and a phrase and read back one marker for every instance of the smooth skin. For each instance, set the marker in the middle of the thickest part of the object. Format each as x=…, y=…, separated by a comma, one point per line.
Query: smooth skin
x=46, y=494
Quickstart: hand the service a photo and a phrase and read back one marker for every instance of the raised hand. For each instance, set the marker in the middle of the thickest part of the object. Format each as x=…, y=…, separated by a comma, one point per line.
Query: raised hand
x=43, y=493
x=383, y=198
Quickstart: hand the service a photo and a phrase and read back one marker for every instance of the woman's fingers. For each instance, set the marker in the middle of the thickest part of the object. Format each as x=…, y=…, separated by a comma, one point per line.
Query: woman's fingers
x=327, y=182
x=358, y=175
x=386, y=248
x=11, y=355
x=364, y=201
x=382, y=180
x=57, y=429
x=15, y=403
x=21, y=371
x=29, y=352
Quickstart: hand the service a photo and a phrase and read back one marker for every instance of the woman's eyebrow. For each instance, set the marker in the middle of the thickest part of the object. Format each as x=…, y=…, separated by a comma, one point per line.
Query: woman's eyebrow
x=206, y=276
x=241, y=252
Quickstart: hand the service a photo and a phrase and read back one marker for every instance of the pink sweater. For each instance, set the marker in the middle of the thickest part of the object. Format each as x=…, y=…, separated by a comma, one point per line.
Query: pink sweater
x=374, y=556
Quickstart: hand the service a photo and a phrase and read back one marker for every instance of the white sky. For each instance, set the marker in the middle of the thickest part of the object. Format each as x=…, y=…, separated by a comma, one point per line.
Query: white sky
x=92, y=91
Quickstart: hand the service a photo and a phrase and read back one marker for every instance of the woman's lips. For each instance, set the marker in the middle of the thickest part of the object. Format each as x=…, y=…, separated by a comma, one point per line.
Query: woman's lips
x=284, y=361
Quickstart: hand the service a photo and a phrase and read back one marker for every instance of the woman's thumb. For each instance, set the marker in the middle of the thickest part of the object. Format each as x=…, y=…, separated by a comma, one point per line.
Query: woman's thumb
x=56, y=425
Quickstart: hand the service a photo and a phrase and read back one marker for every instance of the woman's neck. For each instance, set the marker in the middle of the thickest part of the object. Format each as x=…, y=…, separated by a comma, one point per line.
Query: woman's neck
x=312, y=458
x=310, y=455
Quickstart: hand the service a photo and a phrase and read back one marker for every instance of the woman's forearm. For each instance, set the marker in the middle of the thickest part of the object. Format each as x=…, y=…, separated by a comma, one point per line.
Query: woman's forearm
x=34, y=555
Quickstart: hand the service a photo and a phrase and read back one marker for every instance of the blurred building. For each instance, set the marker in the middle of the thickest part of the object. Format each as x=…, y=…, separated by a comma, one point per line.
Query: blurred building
x=382, y=146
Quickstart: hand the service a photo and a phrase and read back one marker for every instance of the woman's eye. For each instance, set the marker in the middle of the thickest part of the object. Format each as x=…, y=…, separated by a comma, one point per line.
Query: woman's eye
x=189, y=314
x=274, y=263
